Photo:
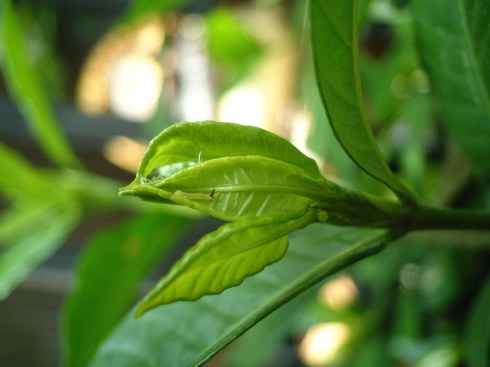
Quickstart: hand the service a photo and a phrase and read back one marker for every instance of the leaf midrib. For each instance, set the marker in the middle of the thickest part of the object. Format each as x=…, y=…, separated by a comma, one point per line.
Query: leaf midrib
x=313, y=194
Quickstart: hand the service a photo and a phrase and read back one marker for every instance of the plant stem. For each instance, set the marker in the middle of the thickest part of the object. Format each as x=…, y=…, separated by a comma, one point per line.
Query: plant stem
x=427, y=217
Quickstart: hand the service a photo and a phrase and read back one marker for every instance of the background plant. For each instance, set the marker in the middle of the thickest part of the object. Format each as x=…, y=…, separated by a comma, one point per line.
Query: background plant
x=404, y=286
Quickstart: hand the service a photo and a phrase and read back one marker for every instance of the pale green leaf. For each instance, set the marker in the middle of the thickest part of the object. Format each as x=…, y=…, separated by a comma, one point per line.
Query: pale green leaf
x=13, y=221
x=36, y=245
x=334, y=32
x=190, y=333
x=20, y=178
x=225, y=257
x=234, y=187
x=190, y=143
x=108, y=275
x=454, y=37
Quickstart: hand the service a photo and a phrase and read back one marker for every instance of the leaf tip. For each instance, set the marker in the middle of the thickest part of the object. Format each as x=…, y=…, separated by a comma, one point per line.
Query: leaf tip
x=125, y=191
x=140, y=310
x=128, y=190
x=148, y=303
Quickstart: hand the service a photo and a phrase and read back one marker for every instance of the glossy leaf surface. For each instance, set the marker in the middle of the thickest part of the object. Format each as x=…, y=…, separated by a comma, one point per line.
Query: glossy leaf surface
x=190, y=143
x=26, y=88
x=230, y=188
x=225, y=257
x=455, y=46
x=228, y=171
x=334, y=35
x=108, y=275
x=190, y=333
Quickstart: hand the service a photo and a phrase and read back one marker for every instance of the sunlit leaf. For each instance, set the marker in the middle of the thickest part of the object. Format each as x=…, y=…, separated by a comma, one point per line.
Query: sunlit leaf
x=109, y=272
x=232, y=171
x=229, y=171
x=35, y=245
x=225, y=257
x=190, y=333
x=230, y=188
x=455, y=46
x=26, y=88
x=191, y=143
x=334, y=28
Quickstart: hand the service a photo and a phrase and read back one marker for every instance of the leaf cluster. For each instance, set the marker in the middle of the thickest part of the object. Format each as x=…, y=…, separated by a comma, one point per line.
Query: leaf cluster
x=287, y=227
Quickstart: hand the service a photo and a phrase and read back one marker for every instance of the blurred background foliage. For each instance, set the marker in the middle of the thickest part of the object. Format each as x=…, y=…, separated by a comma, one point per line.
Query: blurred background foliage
x=85, y=85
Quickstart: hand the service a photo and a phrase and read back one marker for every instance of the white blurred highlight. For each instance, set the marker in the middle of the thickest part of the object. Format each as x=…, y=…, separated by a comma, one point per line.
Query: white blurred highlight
x=322, y=342
x=339, y=293
x=135, y=83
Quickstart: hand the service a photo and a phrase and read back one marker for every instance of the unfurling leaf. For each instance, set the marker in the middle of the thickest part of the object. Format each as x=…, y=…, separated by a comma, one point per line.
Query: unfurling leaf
x=225, y=257
x=228, y=171
x=197, y=142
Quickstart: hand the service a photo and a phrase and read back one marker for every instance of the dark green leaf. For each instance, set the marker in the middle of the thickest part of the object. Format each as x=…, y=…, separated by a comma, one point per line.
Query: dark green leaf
x=478, y=333
x=26, y=88
x=273, y=331
x=334, y=37
x=190, y=333
x=225, y=257
x=108, y=275
x=35, y=245
x=454, y=37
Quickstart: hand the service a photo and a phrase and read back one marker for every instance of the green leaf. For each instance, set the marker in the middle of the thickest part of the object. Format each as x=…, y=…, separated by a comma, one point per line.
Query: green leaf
x=273, y=331
x=190, y=333
x=108, y=275
x=225, y=257
x=13, y=221
x=35, y=245
x=229, y=171
x=455, y=47
x=19, y=178
x=138, y=9
x=230, y=188
x=231, y=45
x=334, y=32
x=232, y=171
x=26, y=88
x=478, y=332
x=187, y=144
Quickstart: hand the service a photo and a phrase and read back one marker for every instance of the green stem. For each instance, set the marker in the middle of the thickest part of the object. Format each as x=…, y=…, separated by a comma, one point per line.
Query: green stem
x=426, y=218
x=353, y=208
